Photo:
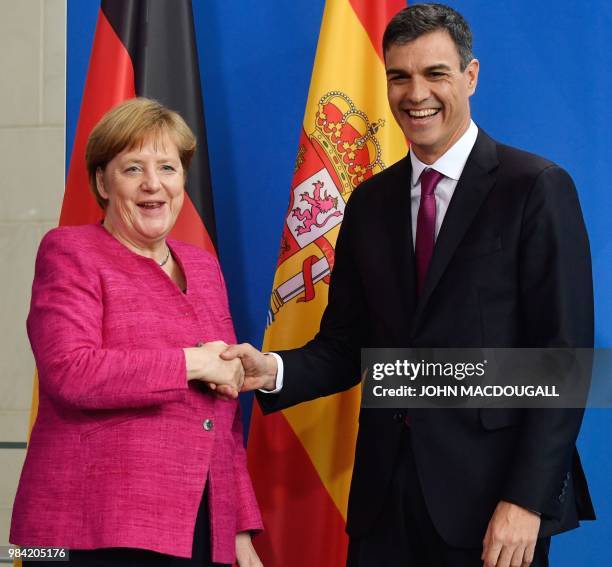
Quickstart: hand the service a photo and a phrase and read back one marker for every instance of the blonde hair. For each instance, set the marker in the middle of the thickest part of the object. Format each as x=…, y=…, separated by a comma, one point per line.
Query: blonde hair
x=127, y=126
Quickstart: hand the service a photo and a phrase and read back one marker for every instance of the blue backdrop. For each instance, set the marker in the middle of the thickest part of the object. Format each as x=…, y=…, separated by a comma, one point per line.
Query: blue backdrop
x=545, y=86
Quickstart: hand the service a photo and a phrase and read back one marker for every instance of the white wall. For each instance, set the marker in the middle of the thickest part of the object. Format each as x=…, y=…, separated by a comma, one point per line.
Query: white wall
x=32, y=121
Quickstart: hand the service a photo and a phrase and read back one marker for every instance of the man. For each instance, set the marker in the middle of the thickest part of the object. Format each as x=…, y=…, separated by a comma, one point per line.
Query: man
x=510, y=268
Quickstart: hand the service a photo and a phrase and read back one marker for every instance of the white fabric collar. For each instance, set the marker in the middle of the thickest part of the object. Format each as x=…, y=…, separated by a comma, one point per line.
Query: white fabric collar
x=451, y=163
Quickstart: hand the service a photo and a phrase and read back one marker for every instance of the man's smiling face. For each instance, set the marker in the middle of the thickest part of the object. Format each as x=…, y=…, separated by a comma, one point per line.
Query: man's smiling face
x=429, y=93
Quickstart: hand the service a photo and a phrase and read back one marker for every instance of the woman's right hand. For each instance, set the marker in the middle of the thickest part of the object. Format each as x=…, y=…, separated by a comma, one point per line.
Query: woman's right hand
x=204, y=364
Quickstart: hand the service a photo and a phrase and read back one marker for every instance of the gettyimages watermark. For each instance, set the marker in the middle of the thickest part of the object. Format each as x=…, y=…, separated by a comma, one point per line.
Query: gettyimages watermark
x=486, y=378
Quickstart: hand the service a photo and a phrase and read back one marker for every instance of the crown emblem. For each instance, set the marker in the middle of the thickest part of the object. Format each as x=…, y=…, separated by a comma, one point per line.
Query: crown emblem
x=348, y=139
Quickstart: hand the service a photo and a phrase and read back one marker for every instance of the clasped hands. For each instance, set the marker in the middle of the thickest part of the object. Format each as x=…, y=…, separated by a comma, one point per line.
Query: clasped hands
x=512, y=531
x=230, y=369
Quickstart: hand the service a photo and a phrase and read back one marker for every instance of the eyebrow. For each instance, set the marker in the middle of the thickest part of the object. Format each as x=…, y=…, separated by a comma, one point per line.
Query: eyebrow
x=129, y=157
x=438, y=67
x=430, y=69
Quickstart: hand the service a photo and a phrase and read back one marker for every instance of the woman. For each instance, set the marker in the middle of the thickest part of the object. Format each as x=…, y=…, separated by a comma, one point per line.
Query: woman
x=133, y=460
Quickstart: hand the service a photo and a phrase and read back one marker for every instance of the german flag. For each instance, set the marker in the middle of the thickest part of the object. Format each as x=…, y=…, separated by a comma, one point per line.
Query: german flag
x=144, y=48
x=301, y=459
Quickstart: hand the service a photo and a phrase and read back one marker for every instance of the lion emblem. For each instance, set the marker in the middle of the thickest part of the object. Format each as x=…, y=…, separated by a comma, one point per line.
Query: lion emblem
x=320, y=204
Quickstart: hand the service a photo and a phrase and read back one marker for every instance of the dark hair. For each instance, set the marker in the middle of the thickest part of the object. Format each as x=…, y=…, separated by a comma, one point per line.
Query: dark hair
x=419, y=19
x=127, y=126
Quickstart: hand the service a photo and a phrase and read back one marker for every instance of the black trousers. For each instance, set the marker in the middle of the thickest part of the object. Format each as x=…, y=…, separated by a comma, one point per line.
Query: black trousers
x=404, y=535
x=127, y=557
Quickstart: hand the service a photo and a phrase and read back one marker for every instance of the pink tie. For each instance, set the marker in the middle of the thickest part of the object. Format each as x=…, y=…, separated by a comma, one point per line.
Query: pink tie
x=426, y=224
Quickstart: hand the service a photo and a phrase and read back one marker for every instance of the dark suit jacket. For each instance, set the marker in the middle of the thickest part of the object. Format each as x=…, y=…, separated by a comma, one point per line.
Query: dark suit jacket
x=511, y=268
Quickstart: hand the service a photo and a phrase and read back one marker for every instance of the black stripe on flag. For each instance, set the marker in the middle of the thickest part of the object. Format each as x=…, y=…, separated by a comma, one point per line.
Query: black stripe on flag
x=159, y=37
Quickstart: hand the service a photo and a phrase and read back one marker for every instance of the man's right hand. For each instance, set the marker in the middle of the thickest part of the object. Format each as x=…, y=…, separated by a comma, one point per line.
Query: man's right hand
x=259, y=369
x=204, y=363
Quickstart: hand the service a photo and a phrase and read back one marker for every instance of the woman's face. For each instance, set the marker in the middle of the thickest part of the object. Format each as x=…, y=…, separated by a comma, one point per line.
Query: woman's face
x=145, y=191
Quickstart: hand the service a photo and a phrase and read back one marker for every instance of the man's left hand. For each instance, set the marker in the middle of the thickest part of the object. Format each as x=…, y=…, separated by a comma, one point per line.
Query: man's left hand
x=511, y=536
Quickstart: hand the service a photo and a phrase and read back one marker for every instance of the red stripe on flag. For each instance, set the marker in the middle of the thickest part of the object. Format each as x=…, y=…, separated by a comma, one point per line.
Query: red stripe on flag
x=301, y=529
x=110, y=80
x=190, y=228
x=374, y=18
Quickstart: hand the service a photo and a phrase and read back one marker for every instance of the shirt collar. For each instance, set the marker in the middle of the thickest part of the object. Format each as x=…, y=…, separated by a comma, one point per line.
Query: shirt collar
x=451, y=163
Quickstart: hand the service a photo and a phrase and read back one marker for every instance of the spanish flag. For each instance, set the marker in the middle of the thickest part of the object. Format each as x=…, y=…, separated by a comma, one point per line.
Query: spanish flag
x=142, y=48
x=301, y=459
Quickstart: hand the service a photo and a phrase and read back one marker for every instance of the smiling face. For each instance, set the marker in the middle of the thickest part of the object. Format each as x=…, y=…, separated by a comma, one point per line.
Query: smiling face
x=429, y=94
x=144, y=186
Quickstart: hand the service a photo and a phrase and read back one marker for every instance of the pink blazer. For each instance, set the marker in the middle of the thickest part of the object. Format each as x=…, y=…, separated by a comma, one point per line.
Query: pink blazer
x=122, y=447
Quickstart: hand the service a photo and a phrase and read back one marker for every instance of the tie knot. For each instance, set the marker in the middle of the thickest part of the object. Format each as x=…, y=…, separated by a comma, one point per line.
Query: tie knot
x=429, y=179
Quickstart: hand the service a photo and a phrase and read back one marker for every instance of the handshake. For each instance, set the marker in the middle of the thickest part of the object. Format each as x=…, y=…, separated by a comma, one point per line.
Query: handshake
x=230, y=369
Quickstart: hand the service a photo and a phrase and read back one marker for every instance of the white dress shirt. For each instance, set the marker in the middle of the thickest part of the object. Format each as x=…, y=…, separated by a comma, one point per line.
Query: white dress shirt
x=450, y=165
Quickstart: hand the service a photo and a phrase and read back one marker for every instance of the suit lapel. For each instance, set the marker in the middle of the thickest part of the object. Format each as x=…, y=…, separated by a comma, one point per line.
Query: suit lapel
x=474, y=185
x=400, y=229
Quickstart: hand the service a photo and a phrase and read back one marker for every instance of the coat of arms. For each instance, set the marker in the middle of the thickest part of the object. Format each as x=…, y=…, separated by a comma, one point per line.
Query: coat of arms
x=340, y=153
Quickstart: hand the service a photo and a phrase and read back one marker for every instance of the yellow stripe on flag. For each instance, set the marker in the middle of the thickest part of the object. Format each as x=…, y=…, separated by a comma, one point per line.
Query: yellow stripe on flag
x=347, y=70
x=346, y=62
